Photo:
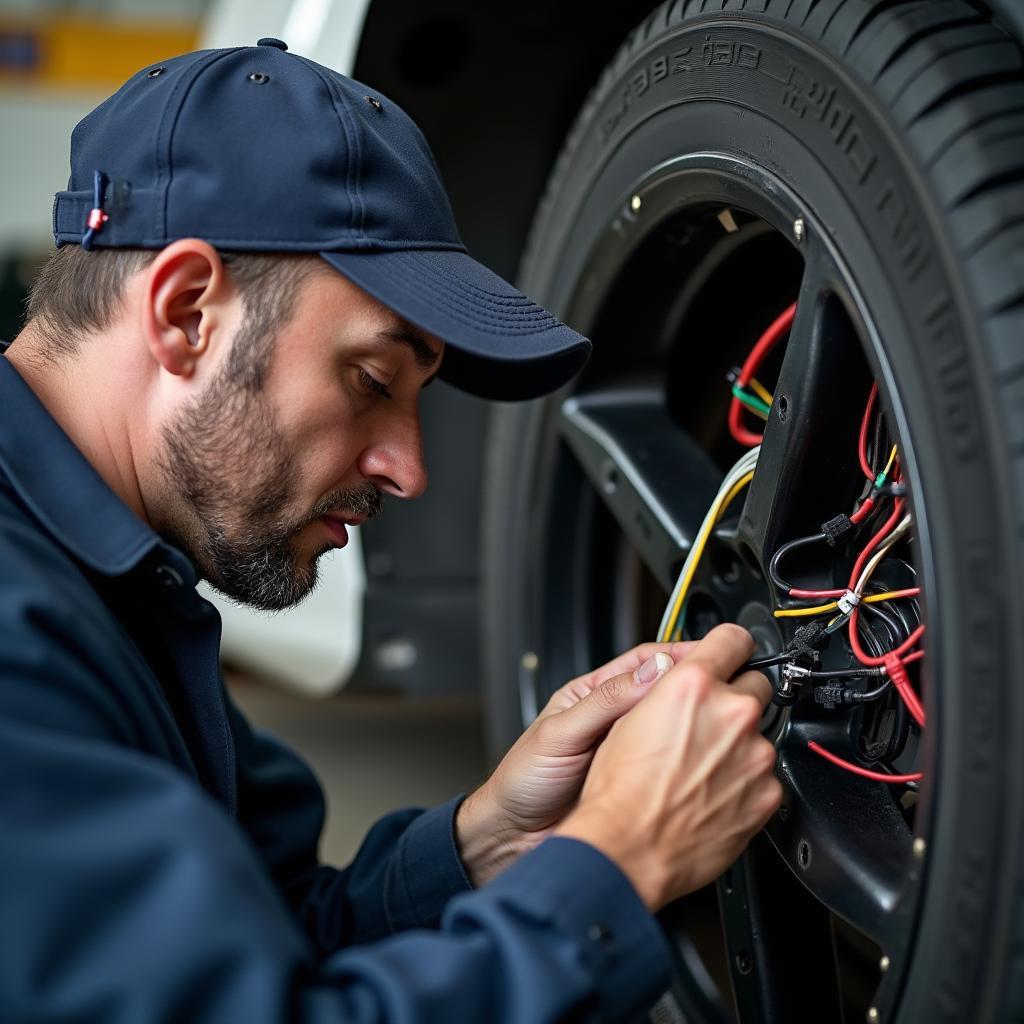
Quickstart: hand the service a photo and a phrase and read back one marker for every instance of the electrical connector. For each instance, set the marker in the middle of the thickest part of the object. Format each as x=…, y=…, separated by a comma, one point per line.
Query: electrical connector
x=836, y=528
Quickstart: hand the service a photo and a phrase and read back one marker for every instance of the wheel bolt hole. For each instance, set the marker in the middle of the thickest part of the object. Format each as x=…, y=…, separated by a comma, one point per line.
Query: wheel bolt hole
x=743, y=962
x=782, y=404
x=725, y=567
x=803, y=854
x=702, y=615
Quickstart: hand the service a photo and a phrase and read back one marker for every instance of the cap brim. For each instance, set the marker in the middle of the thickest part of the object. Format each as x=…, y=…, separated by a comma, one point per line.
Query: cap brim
x=499, y=343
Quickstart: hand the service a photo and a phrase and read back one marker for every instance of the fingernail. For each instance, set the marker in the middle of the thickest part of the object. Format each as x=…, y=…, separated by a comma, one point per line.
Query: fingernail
x=653, y=668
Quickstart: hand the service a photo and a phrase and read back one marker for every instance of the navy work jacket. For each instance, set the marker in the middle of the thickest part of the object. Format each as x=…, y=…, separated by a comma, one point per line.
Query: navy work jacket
x=158, y=856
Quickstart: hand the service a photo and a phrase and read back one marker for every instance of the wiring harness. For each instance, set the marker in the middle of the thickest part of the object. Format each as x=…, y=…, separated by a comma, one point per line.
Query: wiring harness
x=882, y=624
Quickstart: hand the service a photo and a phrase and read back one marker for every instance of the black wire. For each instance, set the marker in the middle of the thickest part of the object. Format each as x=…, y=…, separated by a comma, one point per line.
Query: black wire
x=876, y=445
x=860, y=696
x=841, y=673
x=767, y=661
x=895, y=626
x=773, y=565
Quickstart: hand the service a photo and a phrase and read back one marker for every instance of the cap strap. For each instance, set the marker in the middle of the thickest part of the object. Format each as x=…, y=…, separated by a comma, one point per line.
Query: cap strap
x=97, y=216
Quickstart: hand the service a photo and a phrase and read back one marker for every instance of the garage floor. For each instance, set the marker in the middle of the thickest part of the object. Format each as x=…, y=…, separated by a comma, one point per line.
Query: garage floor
x=372, y=753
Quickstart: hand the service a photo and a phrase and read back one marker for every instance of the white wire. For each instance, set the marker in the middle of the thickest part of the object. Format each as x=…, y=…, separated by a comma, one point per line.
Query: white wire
x=893, y=538
x=744, y=465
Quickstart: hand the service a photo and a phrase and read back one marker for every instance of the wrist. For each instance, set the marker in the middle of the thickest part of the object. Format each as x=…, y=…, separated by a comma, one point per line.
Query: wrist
x=629, y=857
x=487, y=842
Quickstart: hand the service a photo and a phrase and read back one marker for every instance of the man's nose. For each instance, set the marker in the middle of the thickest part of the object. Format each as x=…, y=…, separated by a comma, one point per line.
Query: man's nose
x=394, y=463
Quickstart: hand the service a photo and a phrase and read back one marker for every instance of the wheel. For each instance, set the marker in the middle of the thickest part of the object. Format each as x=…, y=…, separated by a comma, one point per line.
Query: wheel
x=863, y=159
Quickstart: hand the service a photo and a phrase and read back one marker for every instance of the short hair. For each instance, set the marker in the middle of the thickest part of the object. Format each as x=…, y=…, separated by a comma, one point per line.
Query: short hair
x=78, y=292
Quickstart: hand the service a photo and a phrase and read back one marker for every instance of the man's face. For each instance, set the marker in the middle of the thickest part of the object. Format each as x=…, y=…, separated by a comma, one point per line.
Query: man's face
x=263, y=482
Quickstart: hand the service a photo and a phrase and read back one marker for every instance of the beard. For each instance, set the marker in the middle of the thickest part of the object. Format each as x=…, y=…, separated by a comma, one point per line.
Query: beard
x=231, y=481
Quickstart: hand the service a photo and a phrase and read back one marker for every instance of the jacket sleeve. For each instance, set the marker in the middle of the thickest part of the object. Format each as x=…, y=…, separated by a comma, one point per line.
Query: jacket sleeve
x=405, y=872
x=129, y=896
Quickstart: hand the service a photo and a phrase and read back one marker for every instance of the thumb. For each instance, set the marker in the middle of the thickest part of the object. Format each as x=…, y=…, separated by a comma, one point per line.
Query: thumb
x=582, y=725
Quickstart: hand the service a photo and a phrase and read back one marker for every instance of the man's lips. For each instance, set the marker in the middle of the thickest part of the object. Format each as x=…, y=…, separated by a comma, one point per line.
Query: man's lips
x=336, y=527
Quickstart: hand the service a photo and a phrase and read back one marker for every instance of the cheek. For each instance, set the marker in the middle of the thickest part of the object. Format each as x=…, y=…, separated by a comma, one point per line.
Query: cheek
x=326, y=448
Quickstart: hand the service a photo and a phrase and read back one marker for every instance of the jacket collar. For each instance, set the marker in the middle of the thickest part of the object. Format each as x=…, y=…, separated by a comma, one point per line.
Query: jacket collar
x=62, y=489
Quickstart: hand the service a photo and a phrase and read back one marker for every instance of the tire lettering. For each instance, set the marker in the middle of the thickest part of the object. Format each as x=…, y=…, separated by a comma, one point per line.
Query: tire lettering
x=954, y=377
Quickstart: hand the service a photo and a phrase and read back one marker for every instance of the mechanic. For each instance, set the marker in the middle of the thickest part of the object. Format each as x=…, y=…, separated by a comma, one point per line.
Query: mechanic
x=257, y=271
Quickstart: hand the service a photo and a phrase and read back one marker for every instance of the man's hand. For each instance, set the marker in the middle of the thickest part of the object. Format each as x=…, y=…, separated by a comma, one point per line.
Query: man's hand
x=539, y=779
x=685, y=779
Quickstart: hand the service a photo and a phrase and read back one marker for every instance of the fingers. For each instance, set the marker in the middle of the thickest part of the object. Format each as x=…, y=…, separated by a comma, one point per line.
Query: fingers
x=724, y=650
x=581, y=725
x=756, y=684
x=578, y=688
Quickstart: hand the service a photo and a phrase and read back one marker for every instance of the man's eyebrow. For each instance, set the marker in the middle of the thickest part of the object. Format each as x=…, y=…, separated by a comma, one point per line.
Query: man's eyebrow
x=425, y=356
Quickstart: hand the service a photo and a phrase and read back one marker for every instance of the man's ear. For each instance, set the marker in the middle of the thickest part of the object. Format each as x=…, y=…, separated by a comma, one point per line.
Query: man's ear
x=184, y=301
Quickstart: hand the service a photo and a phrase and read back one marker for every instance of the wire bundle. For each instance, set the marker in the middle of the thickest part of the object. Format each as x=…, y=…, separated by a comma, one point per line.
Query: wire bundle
x=760, y=400
x=748, y=393
x=735, y=481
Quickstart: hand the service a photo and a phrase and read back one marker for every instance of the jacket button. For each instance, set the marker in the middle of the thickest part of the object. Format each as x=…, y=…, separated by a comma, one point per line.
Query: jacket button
x=169, y=577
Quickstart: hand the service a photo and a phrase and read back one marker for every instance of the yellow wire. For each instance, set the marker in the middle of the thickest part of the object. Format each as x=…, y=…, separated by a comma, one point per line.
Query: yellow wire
x=757, y=412
x=699, y=544
x=785, y=613
x=761, y=391
x=818, y=609
x=892, y=459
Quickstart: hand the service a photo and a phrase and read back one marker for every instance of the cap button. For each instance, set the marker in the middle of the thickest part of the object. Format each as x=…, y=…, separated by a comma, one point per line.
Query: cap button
x=271, y=41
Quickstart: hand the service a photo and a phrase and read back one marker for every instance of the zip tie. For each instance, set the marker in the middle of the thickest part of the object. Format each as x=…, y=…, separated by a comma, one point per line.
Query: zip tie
x=848, y=602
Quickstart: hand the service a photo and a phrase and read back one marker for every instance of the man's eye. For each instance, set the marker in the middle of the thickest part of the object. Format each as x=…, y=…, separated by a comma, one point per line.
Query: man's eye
x=372, y=384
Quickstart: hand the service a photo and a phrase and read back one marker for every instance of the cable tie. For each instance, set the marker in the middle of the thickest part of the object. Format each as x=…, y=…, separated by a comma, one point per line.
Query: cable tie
x=848, y=602
x=836, y=528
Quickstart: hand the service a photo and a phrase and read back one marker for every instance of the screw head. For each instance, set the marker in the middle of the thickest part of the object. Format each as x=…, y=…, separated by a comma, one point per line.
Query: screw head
x=635, y=203
x=873, y=1016
x=530, y=661
x=259, y=77
x=919, y=848
x=798, y=229
x=883, y=964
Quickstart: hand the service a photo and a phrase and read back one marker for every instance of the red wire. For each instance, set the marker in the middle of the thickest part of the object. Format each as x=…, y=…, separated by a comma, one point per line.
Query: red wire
x=865, y=507
x=886, y=528
x=797, y=592
x=857, y=770
x=912, y=656
x=862, y=442
x=779, y=326
x=866, y=659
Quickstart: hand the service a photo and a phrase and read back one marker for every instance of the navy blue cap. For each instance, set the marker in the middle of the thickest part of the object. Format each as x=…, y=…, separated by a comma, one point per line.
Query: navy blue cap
x=260, y=150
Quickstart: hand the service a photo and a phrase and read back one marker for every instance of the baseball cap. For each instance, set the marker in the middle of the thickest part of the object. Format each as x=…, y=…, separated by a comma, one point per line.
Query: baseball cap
x=256, y=149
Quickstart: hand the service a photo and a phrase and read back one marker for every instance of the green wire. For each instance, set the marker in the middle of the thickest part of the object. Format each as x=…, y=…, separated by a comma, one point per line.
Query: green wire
x=752, y=401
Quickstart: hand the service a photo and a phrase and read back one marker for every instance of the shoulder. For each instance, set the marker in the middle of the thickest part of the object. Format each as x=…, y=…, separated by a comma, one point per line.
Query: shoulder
x=64, y=658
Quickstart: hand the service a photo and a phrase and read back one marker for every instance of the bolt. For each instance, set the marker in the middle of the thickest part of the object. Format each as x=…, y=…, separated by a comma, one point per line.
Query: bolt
x=530, y=661
x=919, y=847
x=798, y=229
x=873, y=1016
x=883, y=964
x=634, y=203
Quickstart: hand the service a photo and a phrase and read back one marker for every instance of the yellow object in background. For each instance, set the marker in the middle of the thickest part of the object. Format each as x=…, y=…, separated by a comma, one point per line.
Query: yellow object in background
x=86, y=53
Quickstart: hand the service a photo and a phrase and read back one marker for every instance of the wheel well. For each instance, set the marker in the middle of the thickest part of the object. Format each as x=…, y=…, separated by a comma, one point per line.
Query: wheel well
x=495, y=90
